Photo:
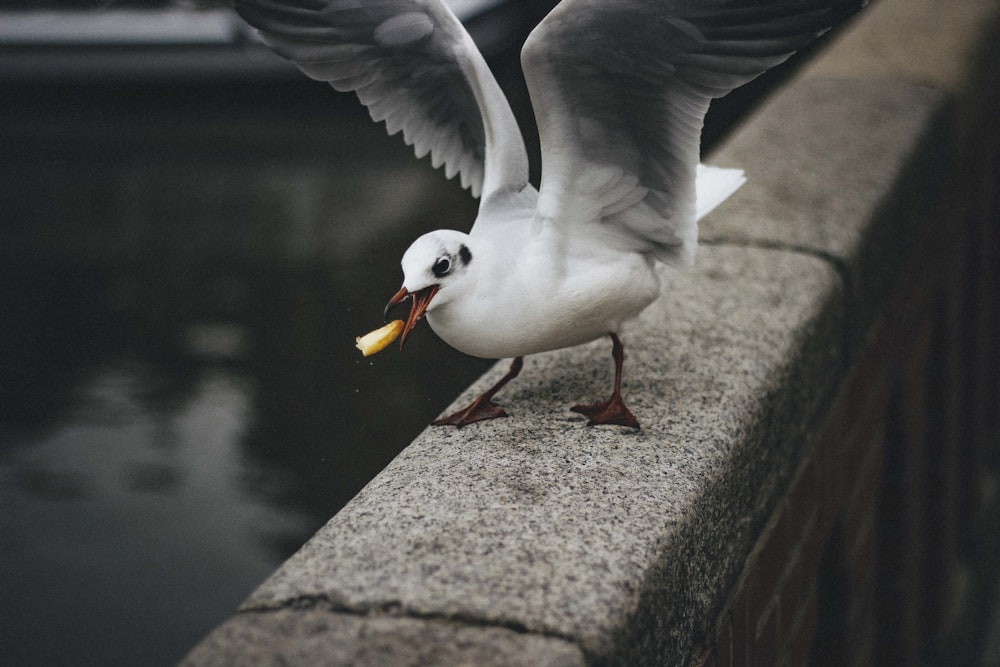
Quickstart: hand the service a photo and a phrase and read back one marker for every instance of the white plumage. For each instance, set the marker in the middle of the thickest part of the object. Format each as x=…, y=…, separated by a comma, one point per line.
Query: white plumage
x=620, y=90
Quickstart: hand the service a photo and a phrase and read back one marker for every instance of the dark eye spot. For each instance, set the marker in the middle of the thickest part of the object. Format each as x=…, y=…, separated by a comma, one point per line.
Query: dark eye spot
x=442, y=267
x=465, y=254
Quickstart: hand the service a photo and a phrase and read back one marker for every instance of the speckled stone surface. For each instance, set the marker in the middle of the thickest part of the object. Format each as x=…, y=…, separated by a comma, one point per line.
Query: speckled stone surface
x=558, y=544
x=820, y=157
x=319, y=637
x=847, y=170
x=542, y=523
x=926, y=42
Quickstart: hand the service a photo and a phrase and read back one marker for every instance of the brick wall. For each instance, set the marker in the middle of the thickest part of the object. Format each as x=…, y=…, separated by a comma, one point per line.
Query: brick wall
x=884, y=549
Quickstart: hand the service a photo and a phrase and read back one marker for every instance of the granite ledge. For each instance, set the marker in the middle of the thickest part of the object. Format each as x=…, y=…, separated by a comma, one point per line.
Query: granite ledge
x=541, y=523
x=320, y=637
x=537, y=530
x=845, y=170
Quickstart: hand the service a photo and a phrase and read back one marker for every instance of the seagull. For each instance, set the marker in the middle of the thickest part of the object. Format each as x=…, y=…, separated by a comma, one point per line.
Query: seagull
x=619, y=90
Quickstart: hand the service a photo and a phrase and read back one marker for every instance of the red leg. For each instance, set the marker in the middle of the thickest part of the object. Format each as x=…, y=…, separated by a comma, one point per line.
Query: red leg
x=612, y=411
x=483, y=407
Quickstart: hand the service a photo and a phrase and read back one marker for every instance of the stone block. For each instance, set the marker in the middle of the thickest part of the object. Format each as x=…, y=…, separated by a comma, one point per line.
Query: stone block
x=540, y=522
x=318, y=636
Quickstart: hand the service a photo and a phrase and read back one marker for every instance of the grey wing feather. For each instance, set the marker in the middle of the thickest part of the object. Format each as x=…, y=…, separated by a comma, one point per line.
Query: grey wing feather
x=621, y=89
x=410, y=62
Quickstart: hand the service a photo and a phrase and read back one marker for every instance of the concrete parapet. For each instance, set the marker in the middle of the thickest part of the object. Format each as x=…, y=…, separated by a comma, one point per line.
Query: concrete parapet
x=538, y=541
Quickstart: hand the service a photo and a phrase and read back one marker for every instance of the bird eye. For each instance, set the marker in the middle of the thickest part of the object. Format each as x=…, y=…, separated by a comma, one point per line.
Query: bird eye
x=442, y=267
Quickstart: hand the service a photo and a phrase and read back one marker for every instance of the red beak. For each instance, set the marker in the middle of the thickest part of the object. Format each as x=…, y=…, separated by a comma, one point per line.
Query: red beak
x=421, y=299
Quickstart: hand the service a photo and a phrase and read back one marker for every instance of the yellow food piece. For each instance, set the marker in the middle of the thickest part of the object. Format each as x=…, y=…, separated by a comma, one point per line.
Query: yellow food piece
x=378, y=340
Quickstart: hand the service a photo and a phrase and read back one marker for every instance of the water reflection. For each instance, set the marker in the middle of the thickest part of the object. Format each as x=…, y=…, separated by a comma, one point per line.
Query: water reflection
x=181, y=405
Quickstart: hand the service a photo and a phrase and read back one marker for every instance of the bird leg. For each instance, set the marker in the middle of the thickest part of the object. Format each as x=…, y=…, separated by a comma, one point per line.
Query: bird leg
x=483, y=407
x=612, y=411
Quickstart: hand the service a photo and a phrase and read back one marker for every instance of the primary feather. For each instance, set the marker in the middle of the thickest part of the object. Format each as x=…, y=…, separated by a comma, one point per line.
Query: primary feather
x=415, y=67
x=620, y=91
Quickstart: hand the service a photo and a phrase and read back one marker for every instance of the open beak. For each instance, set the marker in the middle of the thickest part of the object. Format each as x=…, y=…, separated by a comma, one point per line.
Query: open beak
x=421, y=299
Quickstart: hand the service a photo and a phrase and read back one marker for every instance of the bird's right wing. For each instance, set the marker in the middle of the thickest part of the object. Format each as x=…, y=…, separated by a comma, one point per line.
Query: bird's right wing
x=412, y=63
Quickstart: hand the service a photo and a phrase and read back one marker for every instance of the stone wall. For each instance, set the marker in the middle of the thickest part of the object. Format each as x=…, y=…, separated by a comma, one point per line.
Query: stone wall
x=816, y=472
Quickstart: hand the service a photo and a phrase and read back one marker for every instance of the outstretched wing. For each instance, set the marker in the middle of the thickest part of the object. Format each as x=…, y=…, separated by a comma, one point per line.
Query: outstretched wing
x=620, y=91
x=412, y=63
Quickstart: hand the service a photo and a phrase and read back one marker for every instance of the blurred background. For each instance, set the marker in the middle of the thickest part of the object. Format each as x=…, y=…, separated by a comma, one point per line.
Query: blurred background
x=191, y=235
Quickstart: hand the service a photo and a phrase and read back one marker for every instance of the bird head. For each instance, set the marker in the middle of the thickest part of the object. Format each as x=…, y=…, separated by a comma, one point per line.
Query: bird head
x=433, y=270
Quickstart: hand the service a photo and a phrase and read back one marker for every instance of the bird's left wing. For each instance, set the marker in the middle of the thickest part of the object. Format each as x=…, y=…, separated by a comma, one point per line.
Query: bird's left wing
x=620, y=90
x=412, y=63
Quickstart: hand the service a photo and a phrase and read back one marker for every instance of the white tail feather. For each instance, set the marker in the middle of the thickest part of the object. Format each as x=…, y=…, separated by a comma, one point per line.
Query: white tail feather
x=715, y=185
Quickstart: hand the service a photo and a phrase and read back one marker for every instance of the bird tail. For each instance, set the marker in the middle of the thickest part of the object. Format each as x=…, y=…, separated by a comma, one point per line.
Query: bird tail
x=715, y=185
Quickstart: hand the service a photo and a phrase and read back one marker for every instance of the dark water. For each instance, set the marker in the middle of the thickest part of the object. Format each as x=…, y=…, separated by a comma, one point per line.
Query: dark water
x=183, y=270
x=182, y=274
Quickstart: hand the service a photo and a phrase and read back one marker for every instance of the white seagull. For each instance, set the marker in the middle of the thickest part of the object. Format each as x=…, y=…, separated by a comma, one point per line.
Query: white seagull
x=619, y=89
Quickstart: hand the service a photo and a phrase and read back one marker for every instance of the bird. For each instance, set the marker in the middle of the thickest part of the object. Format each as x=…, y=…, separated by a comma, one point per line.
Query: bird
x=619, y=91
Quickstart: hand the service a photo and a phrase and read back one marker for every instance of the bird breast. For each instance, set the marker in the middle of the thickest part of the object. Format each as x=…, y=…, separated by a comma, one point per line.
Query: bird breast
x=530, y=304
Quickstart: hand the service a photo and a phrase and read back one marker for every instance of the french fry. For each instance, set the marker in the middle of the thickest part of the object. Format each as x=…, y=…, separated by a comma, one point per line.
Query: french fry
x=378, y=340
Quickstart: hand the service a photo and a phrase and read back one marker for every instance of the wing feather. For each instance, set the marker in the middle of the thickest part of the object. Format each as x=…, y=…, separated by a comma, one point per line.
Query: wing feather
x=413, y=65
x=621, y=89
